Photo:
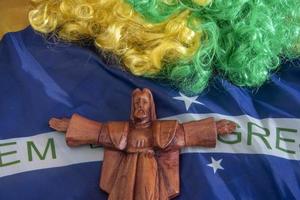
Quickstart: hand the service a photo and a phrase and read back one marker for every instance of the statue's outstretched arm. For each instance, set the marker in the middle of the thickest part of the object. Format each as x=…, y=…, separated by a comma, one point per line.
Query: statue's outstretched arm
x=80, y=130
x=201, y=133
x=204, y=132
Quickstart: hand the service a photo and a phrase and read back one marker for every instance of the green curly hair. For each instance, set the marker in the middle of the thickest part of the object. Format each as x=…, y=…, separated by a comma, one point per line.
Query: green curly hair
x=243, y=40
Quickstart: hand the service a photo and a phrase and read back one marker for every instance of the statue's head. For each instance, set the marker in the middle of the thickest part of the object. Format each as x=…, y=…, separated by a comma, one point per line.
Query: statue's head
x=142, y=106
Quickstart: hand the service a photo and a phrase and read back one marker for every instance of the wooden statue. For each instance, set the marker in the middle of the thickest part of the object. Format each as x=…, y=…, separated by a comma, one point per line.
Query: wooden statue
x=141, y=156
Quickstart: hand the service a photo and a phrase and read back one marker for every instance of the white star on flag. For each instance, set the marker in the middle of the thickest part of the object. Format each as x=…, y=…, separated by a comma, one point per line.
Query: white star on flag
x=215, y=164
x=188, y=101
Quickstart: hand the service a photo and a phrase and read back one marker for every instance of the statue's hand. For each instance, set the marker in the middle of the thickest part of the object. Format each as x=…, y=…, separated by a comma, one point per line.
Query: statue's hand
x=225, y=127
x=59, y=124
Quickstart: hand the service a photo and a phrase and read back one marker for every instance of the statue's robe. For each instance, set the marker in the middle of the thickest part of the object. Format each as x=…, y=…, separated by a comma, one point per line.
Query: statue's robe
x=141, y=165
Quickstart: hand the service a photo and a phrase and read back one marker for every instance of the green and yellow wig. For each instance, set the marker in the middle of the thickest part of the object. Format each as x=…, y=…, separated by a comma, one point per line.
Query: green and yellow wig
x=183, y=42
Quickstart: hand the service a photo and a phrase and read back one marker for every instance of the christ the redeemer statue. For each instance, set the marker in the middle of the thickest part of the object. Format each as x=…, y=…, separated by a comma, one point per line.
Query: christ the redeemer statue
x=141, y=156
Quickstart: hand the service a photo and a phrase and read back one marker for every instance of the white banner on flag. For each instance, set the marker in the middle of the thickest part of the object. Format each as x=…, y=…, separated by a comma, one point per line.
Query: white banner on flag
x=271, y=136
